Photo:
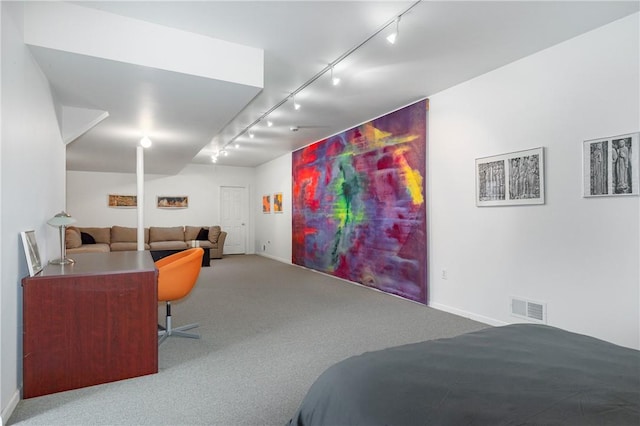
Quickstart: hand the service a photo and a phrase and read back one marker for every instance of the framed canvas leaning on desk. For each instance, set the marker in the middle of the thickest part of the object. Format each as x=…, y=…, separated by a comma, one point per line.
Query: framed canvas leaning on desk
x=91, y=322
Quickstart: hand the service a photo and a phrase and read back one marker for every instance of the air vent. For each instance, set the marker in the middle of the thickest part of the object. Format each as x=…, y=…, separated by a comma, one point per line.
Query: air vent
x=527, y=309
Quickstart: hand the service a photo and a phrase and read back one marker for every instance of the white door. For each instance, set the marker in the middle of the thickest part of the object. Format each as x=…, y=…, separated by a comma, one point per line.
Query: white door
x=233, y=218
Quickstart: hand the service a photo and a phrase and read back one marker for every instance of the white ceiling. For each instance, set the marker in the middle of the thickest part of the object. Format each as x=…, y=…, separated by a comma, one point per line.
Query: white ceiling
x=440, y=45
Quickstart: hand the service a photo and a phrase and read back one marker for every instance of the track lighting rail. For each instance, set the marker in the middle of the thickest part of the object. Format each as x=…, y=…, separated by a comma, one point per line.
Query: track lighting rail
x=320, y=73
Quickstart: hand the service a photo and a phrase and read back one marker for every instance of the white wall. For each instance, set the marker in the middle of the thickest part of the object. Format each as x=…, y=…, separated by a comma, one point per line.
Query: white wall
x=273, y=231
x=87, y=194
x=579, y=255
x=32, y=158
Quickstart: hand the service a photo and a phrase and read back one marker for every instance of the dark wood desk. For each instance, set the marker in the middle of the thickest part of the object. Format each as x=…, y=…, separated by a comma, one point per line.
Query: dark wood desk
x=89, y=323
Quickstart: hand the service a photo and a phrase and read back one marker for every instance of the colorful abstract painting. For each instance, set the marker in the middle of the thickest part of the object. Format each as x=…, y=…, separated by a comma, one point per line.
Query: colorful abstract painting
x=359, y=208
x=266, y=204
x=277, y=202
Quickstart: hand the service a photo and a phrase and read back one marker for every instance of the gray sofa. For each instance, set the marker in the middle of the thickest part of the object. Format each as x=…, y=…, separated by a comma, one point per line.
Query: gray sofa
x=121, y=238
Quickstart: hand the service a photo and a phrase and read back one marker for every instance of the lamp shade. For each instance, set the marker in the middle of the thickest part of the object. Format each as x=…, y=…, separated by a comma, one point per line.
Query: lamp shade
x=61, y=219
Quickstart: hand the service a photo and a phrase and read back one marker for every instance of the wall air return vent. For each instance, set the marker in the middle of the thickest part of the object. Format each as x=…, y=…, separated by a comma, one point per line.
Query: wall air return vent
x=530, y=310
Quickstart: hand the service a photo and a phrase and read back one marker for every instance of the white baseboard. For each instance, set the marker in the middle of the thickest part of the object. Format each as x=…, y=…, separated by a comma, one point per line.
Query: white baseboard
x=465, y=314
x=8, y=410
x=279, y=259
x=470, y=315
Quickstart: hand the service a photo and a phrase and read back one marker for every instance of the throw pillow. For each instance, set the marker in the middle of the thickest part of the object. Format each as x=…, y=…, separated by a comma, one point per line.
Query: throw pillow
x=72, y=237
x=87, y=238
x=214, y=233
x=203, y=235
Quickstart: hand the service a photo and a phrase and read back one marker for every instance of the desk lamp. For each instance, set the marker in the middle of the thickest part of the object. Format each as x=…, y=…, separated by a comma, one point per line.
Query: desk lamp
x=61, y=220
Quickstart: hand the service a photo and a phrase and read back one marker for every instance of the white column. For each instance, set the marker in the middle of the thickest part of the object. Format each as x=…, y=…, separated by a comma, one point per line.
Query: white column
x=140, y=207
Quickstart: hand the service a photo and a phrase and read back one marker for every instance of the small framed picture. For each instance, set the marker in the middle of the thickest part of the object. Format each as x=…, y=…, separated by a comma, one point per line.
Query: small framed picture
x=510, y=179
x=31, y=252
x=122, y=201
x=277, y=202
x=266, y=204
x=610, y=166
x=172, y=202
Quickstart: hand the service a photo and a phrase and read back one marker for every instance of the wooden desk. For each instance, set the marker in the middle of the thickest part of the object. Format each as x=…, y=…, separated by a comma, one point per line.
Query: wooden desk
x=91, y=322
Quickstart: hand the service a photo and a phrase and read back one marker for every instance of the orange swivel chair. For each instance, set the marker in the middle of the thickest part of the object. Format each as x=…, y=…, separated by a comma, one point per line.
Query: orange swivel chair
x=177, y=274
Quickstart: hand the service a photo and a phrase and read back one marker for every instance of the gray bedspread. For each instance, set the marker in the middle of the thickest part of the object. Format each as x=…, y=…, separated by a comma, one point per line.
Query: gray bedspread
x=520, y=374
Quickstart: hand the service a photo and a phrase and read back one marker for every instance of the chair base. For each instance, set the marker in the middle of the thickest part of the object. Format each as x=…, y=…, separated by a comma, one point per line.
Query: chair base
x=168, y=330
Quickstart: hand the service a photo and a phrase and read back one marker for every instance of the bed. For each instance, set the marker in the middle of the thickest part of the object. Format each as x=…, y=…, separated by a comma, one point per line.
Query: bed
x=512, y=375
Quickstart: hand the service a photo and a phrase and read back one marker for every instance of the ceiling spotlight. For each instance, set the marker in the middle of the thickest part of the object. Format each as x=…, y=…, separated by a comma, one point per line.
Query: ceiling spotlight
x=269, y=123
x=391, y=38
x=145, y=142
x=294, y=128
x=224, y=152
x=334, y=80
x=237, y=145
x=251, y=134
x=214, y=159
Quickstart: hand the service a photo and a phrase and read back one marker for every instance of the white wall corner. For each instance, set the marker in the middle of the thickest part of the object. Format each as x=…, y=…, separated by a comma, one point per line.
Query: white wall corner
x=11, y=406
x=78, y=121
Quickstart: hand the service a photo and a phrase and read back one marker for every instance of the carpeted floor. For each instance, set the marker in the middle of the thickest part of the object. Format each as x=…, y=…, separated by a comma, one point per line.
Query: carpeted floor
x=268, y=330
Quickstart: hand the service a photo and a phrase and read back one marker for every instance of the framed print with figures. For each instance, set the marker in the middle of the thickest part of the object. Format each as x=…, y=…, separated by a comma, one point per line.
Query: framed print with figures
x=610, y=166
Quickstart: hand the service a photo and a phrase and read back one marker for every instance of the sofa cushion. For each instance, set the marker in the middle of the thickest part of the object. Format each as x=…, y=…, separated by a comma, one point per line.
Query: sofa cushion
x=191, y=232
x=122, y=234
x=128, y=246
x=101, y=235
x=72, y=237
x=161, y=233
x=90, y=248
x=200, y=243
x=87, y=238
x=214, y=233
x=168, y=245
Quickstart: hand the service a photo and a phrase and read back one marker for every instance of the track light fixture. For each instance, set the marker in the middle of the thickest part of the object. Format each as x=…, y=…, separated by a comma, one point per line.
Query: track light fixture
x=334, y=80
x=391, y=38
x=145, y=142
x=251, y=134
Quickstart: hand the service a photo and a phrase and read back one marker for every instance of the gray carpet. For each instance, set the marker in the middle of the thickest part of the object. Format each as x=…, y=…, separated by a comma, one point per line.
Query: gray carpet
x=268, y=330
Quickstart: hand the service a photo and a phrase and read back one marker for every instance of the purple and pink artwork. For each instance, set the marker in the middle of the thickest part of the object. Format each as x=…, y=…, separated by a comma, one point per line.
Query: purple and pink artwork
x=359, y=208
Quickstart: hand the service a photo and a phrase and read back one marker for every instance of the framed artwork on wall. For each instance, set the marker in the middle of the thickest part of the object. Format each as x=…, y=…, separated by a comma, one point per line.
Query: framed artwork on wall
x=266, y=204
x=122, y=201
x=31, y=252
x=172, y=202
x=277, y=202
x=610, y=166
x=358, y=203
x=510, y=179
